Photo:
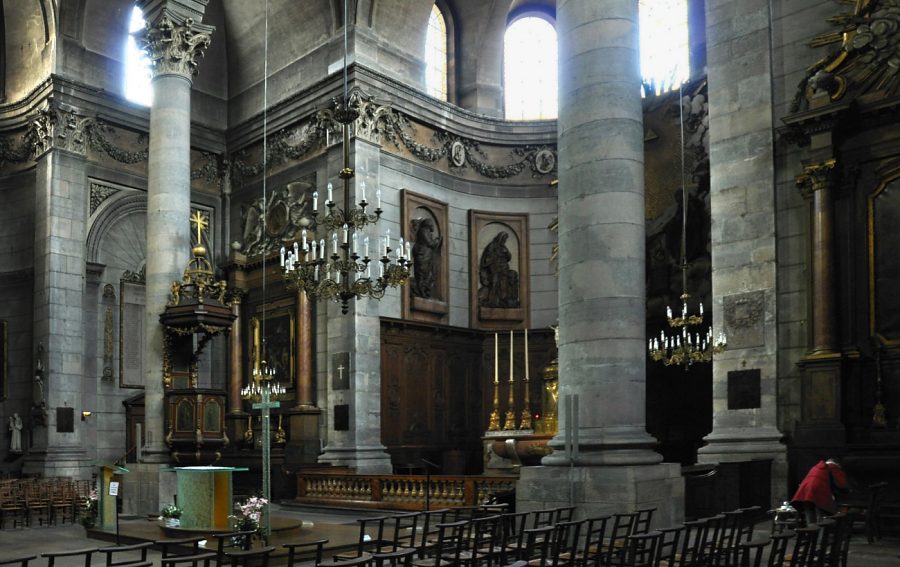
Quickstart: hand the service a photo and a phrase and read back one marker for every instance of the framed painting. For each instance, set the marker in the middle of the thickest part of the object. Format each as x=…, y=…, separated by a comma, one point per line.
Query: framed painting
x=274, y=332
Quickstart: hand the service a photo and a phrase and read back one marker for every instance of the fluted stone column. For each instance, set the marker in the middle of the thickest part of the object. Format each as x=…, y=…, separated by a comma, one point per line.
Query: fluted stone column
x=602, y=352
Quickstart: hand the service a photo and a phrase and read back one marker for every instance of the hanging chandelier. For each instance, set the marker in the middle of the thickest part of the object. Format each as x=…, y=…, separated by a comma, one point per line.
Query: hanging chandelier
x=263, y=384
x=687, y=341
x=335, y=262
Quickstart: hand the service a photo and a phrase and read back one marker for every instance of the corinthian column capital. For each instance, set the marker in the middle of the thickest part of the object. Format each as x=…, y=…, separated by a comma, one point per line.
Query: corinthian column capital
x=816, y=176
x=174, y=47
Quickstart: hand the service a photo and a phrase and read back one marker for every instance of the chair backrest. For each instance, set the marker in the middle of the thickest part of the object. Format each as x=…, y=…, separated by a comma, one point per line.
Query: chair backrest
x=543, y=518
x=405, y=535
x=668, y=546
x=20, y=561
x=593, y=540
x=484, y=532
x=803, y=553
x=226, y=540
x=249, y=558
x=85, y=553
x=642, y=550
x=566, y=542
x=171, y=547
x=400, y=558
x=196, y=560
x=451, y=540
x=294, y=547
x=429, y=521
x=564, y=514
x=537, y=545
x=371, y=533
x=622, y=527
x=642, y=521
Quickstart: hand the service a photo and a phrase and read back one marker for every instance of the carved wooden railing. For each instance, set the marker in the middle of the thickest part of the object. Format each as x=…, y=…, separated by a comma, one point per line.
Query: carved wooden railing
x=400, y=492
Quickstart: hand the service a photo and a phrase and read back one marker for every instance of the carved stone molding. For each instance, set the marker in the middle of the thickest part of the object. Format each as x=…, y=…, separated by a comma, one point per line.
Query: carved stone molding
x=173, y=47
x=816, y=177
x=744, y=319
x=100, y=193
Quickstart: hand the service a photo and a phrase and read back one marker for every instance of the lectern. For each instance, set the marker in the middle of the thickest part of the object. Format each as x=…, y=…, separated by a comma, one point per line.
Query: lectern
x=204, y=496
x=107, y=502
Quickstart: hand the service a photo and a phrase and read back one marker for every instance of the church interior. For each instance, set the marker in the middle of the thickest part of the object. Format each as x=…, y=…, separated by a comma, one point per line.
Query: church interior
x=348, y=247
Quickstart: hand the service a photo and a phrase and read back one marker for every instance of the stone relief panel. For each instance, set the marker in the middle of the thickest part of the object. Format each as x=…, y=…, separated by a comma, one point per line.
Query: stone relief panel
x=745, y=319
x=498, y=267
x=287, y=213
x=425, y=223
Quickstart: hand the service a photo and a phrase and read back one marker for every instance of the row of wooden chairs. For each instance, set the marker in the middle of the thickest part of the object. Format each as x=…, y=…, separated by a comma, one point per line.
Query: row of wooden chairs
x=24, y=502
x=826, y=544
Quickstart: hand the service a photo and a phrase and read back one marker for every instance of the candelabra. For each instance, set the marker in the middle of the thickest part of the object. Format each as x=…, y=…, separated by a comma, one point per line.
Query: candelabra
x=685, y=346
x=263, y=382
x=344, y=275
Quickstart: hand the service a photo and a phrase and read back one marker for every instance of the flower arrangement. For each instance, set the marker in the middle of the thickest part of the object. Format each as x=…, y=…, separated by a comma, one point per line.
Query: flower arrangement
x=89, y=510
x=170, y=511
x=248, y=516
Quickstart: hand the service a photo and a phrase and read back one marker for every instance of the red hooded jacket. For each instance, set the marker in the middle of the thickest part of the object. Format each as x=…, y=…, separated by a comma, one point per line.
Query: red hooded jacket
x=817, y=486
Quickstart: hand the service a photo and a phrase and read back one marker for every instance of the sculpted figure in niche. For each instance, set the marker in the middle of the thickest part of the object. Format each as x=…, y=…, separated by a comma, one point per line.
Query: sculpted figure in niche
x=499, y=283
x=426, y=254
x=15, y=433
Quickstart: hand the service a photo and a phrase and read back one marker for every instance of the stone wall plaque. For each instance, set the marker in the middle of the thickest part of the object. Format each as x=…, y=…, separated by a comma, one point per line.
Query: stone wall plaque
x=425, y=223
x=745, y=319
x=131, y=334
x=342, y=417
x=498, y=268
x=744, y=389
x=65, y=420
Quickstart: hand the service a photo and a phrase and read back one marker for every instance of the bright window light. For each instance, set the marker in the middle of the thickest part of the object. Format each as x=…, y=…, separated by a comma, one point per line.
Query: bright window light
x=137, y=64
x=664, y=44
x=436, y=55
x=529, y=69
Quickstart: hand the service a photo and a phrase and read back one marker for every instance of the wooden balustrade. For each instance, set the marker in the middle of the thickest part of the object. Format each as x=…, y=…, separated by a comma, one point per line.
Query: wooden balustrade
x=398, y=492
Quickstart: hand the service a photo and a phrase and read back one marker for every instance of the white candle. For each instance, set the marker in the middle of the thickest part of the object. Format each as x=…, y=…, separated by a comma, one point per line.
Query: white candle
x=303, y=236
x=334, y=242
x=701, y=309
x=322, y=250
x=330, y=189
x=362, y=191
x=368, y=270
x=496, y=356
x=510, y=356
x=315, y=200
x=316, y=273
x=400, y=251
x=380, y=270
x=366, y=246
x=526, y=355
x=378, y=197
x=354, y=239
x=314, y=243
x=296, y=250
x=337, y=276
x=346, y=231
x=282, y=256
x=408, y=250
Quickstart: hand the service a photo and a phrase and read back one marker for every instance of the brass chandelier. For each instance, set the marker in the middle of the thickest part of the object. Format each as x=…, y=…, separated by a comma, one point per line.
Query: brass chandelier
x=345, y=273
x=686, y=342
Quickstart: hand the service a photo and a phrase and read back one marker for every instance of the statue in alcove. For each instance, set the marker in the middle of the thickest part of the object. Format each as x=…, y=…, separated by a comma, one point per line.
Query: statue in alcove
x=499, y=283
x=426, y=254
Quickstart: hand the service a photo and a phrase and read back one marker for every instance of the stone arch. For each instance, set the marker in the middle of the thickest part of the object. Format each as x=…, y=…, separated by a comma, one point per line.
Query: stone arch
x=118, y=233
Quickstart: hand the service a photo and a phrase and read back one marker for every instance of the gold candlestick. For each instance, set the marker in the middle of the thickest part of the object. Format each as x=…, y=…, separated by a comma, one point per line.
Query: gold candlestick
x=509, y=423
x=525, y=420
x=494, y=424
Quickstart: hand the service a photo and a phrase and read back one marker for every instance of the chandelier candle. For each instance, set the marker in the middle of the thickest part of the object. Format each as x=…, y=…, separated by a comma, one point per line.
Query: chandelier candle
x=494, y=424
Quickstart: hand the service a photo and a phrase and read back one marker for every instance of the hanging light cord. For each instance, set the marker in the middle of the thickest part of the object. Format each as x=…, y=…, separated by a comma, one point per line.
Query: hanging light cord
x=346, y=101
x=265, y=150
x=684, y=199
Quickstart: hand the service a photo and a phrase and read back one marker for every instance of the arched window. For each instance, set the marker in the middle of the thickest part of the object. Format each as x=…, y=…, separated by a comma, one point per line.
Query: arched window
x=436, y=55
x=529, y=69
x=137, y=64
x=665, y=63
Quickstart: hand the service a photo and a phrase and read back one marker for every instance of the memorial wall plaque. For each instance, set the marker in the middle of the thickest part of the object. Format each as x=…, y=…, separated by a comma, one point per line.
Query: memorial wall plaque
x=65, y=420
x=744, y=389
x=342, y=417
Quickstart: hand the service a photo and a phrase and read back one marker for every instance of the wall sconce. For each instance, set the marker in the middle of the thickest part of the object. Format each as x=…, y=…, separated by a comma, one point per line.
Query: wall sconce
x=85, y=414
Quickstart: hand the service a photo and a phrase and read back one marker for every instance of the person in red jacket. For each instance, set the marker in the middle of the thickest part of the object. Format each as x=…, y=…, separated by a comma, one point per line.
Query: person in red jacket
x=815, y=496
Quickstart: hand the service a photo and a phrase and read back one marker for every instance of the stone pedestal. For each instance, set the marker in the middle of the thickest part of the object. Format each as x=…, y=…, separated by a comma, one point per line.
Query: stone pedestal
x=598, y=491
x=303, y=432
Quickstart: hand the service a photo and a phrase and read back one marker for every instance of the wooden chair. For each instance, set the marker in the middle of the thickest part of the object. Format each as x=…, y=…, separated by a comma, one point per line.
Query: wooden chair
x=512, y=535
x=566, y=543
x=642, y=550
x=171, y=547
x=447, y=551
x=865, y=510
x=563, y=514
x=668, y=546
x=87, y=553
x=622, y=527
x=486, y=545
x=249, y=557
x=20, y=561
x=537, y=546
x=593, y=542
x=195, y=560
x=293, y=547
x=642, y=521
x=429, y=520
x=405, y=533
x=12, y=506
x=139, y=548
x=232, y=540
x=752, y=553
x=400, y=558
x=371, y=538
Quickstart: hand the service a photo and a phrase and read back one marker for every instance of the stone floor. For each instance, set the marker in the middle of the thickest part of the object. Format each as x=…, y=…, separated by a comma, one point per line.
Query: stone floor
x=336, y=525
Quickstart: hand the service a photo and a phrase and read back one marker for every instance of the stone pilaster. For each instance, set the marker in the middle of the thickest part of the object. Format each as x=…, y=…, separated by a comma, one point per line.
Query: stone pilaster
x=742, y=195
x=174, y=40
x=602, y=352
x=59, y=273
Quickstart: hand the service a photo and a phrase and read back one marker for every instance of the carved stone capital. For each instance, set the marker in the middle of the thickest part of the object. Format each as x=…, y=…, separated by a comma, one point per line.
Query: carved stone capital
x=816, y=177
x=174, y=47
x=54, y=127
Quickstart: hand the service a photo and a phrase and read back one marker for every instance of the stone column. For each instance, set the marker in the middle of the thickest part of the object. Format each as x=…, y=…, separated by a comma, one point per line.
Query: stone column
x=60, y=194
x=304, y=371
x=174, y=40
x=173, y=44
x=235, y=358
x=743, y=239
x=602, y=351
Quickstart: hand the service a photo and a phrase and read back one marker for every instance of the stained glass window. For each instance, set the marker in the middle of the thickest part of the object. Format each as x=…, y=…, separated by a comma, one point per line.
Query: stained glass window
x=436, y=55
x=529, y=69
x=664, y=44
x=137, y=64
